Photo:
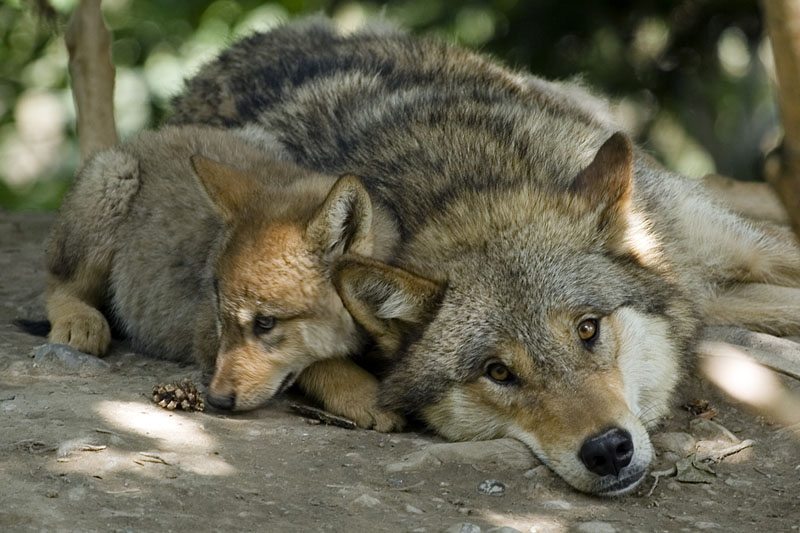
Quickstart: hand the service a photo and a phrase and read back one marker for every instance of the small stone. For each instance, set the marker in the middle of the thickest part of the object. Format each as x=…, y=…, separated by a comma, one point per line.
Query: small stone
x=463, y=527
x=709, y=430
x=503, y=529
x=52, y=494
x=497, y=454
x=61, y=356
x=731, y=482
x=413, y=510
x=365, y=500
x=492, y=487
x=706, y=525
x=681, y=444
x=557, y=504
x=595, y=526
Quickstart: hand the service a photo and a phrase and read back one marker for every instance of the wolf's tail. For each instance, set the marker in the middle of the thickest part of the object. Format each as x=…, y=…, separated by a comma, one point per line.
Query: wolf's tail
x=39, y=328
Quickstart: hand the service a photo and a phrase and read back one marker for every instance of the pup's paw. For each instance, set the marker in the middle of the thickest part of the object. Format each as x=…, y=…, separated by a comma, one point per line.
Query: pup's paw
x=87, y=331
x=366, y=414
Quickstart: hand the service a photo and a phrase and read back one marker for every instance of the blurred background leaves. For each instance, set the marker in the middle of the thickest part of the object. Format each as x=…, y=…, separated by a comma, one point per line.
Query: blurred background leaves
x=691, y=78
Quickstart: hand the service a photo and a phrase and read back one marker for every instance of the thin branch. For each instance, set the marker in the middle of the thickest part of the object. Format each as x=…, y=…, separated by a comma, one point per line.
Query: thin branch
x=92, y=72
x=783, y=26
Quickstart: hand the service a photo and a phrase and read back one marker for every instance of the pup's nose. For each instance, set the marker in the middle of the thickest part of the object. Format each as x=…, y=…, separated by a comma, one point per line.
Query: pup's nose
x=226, y=402
x=607, y=453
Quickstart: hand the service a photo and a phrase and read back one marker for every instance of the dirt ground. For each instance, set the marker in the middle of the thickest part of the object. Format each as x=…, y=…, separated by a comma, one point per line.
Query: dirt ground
x=83, y=448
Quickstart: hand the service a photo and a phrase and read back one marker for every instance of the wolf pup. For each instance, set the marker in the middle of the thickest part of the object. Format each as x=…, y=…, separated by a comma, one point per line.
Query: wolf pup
x=204, y=248
x=550, y=279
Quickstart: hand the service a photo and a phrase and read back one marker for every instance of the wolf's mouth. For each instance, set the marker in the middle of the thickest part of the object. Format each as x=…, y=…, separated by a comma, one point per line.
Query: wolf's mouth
x=287, y=382
x=617, y=486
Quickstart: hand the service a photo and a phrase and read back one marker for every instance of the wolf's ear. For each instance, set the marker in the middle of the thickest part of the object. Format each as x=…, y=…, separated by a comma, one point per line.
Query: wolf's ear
x=384, y=299
x=344, y=220
x=607, y=182
x=229, y=189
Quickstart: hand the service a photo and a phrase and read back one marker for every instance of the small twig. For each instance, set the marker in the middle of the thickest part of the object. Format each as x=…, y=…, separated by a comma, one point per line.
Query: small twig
x=106, y=432
x=93, y=447
x=323, y=416
x=658, y=475
x=152, y=458
x=410, y=487
x=718, y=455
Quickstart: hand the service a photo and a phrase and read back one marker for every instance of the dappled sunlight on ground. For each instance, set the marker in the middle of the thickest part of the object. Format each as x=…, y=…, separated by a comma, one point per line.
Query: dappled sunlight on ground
x=181, y=441
x=739, y=376
x=533, y=523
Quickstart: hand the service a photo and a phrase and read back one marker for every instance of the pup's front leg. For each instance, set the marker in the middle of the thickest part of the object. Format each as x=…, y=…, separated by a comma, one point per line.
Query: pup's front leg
x=346, y=389
x=74, y=319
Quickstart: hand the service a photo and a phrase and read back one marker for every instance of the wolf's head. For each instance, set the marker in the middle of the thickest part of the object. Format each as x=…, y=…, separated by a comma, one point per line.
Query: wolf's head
x=278, y=310
x=549, y=316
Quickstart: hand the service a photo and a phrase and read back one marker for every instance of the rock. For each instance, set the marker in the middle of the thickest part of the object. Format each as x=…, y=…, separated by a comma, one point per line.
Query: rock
x=413, y=510
x=681, y=444
x=492, y=487
x=365, y=500
x=498, y=454
x=706, y=525
x=63, y=357
x=503, y=529
x=595, y=526
x=690, y=471
x=463, y=527
x=709, y=430
x=557, y=504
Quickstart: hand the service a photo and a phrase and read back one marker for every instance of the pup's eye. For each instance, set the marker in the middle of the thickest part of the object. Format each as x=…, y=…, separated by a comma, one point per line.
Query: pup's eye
x=588, y=330
x=263, y=324
x=499, y=373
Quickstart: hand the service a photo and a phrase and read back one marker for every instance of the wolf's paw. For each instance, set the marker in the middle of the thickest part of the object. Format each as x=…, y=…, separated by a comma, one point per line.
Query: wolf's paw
x=367, y=415
x=87, y=331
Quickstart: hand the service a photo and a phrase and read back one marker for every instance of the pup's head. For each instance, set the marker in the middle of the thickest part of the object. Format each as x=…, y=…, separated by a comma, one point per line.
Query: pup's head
x=278, y=310
x=551, y=318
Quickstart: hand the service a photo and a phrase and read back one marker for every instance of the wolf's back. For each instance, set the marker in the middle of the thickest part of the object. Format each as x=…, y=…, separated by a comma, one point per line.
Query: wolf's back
x=391, y=107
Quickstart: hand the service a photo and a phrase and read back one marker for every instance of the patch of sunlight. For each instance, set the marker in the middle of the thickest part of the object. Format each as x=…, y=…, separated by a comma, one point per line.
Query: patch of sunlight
x=32, y=148
x=64, y=6
x=641, y=240
x=164, y=74
x=172, y=429
x=650, y=38
x=182, y=441
x=681, y=152
x=49, y=70
x=350, y=17
x=531, y=523
x=767, y=59
x=262, y=18
x=131, y=101
x=742, y=378
x=475, y=25
x=733, y=53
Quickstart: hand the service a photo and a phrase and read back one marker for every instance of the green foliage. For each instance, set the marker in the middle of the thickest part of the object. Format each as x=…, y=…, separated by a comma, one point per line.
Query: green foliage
x=688, y=76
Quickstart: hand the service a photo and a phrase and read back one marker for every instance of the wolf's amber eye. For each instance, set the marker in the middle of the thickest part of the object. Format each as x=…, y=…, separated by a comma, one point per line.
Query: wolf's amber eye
x=499, y=373
x=588, y=329
x=263, y=324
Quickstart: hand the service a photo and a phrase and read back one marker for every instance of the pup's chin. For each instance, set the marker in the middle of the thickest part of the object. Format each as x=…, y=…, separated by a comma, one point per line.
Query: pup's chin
x=266, y=394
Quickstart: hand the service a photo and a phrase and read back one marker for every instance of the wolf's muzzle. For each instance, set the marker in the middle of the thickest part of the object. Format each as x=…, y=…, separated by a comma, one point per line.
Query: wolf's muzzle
x=223, y=402
x=607, y=453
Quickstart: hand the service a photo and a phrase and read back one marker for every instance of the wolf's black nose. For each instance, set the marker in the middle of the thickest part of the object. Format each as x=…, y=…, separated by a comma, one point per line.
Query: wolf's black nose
x=225, y=402
x=608, y=452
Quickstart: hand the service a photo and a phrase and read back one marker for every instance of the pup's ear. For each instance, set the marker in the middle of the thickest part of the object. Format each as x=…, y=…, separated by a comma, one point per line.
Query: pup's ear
x=229, y=189
x=385, y=300
x=343, y=222
x=607, y=183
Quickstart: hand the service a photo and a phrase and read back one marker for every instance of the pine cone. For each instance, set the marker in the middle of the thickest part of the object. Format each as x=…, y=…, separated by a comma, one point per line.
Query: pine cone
x=183, y=396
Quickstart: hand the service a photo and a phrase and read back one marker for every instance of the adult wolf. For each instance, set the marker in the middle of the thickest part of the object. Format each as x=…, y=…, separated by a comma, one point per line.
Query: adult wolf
x=550, y=278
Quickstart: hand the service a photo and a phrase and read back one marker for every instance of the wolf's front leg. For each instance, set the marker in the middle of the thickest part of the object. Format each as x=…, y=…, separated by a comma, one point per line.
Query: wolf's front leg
x=74, y=317
x=346, y=389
